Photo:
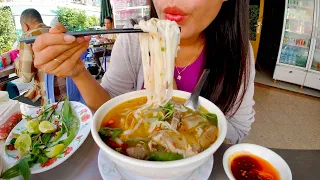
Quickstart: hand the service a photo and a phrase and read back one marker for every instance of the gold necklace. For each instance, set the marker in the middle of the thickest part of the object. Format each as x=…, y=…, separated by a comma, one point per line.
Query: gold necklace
x=192, y=60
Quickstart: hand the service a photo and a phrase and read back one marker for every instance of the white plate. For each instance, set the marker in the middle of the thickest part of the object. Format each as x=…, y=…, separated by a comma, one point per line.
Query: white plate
x=109, y=171
x=84, y=115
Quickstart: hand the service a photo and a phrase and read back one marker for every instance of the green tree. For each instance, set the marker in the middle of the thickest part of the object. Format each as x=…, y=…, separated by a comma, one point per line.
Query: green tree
x=7, y=29
x=76, y=19
x=92, y=21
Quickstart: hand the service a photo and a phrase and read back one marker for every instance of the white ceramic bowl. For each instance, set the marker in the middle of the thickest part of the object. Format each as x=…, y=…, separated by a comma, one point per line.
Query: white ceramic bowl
x=262, y=152
x=151, y=169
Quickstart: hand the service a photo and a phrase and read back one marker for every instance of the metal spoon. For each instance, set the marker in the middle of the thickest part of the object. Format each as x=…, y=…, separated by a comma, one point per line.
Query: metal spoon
x=193, y=101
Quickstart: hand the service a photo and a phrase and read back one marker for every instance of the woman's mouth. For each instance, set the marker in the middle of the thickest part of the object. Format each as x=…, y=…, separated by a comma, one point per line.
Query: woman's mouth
x=174, y=14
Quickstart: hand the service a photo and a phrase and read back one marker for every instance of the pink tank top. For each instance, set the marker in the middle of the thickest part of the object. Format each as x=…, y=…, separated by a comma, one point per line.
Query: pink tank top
x=190, y=76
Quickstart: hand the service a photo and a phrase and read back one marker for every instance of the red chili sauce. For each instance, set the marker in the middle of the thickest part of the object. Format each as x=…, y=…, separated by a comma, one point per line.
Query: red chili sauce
x=251, y=167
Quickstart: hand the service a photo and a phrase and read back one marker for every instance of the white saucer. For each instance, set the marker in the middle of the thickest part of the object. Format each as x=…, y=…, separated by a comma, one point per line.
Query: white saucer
x=109, y=171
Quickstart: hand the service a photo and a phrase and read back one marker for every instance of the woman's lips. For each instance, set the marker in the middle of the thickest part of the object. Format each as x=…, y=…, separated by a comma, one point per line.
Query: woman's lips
x=174, y=17
x=174, y=14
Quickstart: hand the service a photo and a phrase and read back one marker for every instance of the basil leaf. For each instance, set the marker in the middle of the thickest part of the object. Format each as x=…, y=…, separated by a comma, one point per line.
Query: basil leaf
x=14, y=171
x=24, y=168
x=67, y=113
x=212, y=118
x=13, y=140
x=42, y=159
x=46, y=137
x=164, y=156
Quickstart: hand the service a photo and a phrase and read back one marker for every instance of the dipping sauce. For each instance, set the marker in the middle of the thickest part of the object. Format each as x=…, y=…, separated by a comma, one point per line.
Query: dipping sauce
x=251, y=167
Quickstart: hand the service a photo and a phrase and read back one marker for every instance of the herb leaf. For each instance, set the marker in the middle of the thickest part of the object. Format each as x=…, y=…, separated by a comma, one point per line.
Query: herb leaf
x=13, y=140
x=168, y=109
x=212, y=118
x=116, y=133
x=164, y=156
x=46, y=137
x=24, y=168
x=11, y=173
x=110, y=132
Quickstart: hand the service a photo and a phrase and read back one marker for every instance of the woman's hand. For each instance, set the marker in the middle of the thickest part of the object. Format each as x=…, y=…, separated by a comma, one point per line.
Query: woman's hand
x=59, y=54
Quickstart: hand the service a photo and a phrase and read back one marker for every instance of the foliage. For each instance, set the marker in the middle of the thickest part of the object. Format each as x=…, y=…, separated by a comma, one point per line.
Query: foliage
x=92, y=21
x=7, y=29
x=75, y=19
x=253, y=16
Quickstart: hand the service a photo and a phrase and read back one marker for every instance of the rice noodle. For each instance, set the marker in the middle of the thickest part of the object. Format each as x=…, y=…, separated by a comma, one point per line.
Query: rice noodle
x=162, y=43
x=159, y=48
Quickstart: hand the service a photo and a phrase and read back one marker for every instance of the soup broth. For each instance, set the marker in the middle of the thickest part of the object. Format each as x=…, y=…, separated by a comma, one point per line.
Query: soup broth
x=169, y=132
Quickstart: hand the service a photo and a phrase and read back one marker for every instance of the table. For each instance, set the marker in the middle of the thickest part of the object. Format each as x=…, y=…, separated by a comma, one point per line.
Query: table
x=83, y=164
x=7, y=71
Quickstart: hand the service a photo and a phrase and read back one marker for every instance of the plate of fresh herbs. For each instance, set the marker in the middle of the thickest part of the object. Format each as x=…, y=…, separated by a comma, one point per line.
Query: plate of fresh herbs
x=46, y=138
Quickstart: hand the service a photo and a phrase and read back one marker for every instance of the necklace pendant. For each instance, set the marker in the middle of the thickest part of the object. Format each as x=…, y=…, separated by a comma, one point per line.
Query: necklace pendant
x=179, y=77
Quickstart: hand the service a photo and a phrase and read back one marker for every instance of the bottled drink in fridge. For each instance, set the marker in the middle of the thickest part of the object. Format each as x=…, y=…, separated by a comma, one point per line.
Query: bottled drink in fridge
x=285, y=54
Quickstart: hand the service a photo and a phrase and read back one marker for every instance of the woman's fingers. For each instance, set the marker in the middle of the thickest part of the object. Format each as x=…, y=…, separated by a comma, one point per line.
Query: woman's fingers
x=58, y=28
x=71, y=66
x=51, y=52
x=64, y=56
x=47, y=39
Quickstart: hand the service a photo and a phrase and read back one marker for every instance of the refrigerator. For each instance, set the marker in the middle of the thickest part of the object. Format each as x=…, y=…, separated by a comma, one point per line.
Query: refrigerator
x=299, y=55
x=124, y=10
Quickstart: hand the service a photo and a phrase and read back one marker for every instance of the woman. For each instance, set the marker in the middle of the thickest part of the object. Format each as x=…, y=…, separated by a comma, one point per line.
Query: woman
x=214, y=36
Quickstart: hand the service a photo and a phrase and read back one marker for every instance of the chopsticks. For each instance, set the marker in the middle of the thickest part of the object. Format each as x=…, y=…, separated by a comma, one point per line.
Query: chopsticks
x=88, y=33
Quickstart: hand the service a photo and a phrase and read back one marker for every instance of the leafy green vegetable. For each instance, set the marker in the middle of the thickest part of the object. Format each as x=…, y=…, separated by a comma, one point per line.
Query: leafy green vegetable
x=21, y=168
x=58, y=135
x=110, y=132
x=116, y=133
x=164, y=156
x=24, y=168
x=13, y=140
x=45, y=138
x=71, y=122
x=14, y=171
x=212, y=118
x=169, y=110
x=135, y=141
x=42, y=159
x=67, y=114
x=72, y=132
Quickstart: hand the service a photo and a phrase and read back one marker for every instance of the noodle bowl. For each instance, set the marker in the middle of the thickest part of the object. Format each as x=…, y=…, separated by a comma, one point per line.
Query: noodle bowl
x=150, y=124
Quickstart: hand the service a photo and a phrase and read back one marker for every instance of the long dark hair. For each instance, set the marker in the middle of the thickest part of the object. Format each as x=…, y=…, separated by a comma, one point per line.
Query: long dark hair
x=226, y=55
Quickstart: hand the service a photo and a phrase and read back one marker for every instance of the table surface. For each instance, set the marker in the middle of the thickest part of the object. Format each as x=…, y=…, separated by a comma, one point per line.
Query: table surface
x=83, y=164
x=7, y=71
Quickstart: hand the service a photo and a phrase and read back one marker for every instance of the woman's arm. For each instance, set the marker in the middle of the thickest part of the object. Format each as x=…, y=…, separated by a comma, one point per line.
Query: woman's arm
x=59, y=54
x=91, y=91
x=240, y=124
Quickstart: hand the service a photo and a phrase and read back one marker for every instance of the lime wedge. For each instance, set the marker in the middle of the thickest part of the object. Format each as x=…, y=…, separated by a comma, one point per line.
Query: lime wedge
x=23, y=143
x=54, y=151
x=47, y=127
x=33, y=127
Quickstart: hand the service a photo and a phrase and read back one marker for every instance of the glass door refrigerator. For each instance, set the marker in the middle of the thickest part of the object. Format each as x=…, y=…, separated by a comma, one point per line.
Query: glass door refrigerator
x=124, y=10
x=297, y=41
x=313, y=74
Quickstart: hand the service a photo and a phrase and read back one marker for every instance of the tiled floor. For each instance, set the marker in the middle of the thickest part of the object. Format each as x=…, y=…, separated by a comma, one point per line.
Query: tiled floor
x=285, y=119
x=265, y=77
